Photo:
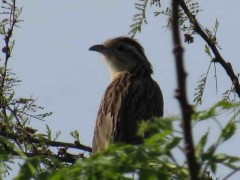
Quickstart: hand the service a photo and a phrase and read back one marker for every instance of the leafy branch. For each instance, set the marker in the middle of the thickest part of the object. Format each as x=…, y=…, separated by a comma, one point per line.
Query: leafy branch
x=156, y=158
x=17, y=137
x=211, y=42
x=62, y=153
x=191, y=26
x=140, y=18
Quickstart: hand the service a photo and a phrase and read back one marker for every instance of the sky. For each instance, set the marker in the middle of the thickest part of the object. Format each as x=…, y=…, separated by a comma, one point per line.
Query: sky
x=51, y=58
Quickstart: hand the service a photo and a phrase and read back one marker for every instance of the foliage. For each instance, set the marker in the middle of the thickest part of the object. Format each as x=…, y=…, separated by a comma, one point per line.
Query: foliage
x=152, y=160
x=140, y=18
x=155, y=159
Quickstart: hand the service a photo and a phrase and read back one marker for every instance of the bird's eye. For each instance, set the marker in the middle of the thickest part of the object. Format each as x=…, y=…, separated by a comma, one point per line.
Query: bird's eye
x=120, y=48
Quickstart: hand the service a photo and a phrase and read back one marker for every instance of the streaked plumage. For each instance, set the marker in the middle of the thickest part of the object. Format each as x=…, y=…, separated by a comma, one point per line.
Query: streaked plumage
x=131, y=97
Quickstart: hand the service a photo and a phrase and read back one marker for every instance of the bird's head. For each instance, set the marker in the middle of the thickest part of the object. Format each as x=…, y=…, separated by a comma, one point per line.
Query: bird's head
x=124, y=54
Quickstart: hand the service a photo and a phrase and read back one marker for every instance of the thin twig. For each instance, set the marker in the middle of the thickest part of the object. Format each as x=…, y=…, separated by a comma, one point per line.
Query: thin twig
x=181, y=95
x=231, y=174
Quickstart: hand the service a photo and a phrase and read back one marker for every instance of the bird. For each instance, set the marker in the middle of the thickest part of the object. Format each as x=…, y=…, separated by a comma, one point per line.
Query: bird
x=132, y=95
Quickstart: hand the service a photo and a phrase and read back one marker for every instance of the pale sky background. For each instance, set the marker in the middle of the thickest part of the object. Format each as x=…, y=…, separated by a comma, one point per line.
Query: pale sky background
x=51, y=57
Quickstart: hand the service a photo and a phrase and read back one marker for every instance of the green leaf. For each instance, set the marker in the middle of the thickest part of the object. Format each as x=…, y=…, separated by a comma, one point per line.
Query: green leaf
x=12, y=46
x=4, y=156
x=209, y=153
x=173, y=143
x=49, y=132
x=227, y=160
x=75, y=135
x=201, y=144
x=145, y=126
x=228, y=131
x=226, y=105
x=204, y=115
x=61, y=175
x=44, y=175
x=158, y=138
x=29, y=169
x=207, y=50
x=213, y=166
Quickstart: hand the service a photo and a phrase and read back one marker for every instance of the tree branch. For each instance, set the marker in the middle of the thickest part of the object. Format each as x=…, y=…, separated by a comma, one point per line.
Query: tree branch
x=47, y=142
x=231, y=174
x=181, y=95
x=218, y=58
x=64, y=157
x=67, y=159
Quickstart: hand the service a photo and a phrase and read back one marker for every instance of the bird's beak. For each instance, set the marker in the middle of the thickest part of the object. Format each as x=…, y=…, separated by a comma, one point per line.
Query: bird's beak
x=97, y=48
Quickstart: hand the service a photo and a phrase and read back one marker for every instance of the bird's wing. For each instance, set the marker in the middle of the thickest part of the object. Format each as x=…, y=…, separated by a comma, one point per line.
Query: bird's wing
x=108, y=113
x=142, y=101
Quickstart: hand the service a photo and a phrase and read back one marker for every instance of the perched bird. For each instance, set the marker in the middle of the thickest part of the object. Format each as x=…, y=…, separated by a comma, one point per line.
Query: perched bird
x=131, y=97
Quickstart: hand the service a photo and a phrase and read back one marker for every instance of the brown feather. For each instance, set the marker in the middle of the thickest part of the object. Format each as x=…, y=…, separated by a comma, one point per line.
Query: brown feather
x=129, y=99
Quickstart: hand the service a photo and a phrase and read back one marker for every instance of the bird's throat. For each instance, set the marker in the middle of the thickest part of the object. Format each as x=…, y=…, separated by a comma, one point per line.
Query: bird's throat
x=114, y=74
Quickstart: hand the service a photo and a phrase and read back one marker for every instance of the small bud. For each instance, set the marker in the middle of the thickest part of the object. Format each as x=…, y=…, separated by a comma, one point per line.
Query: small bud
x=5, y=50
x=188, y=38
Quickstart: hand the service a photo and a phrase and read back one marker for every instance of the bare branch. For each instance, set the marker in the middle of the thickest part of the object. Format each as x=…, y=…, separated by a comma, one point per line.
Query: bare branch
x=181, y=95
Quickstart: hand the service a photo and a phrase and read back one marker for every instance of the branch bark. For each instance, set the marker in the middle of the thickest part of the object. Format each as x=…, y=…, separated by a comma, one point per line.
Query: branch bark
x=218, y=58
x=181, y=95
